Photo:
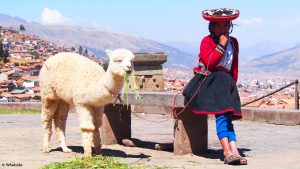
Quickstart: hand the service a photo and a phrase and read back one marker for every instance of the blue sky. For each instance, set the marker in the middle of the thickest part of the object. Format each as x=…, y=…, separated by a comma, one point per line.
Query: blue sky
x=167, y=20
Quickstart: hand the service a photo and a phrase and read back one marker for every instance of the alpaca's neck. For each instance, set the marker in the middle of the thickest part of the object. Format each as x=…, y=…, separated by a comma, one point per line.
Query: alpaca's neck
x=112, y=82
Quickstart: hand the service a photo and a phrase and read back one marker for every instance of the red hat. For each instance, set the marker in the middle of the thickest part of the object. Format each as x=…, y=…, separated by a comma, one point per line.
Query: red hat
x=220, y=15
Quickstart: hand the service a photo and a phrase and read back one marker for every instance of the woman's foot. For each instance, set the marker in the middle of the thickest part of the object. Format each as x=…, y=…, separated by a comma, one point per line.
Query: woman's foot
x=243, y=160
x=231, y=159
x=234, y=150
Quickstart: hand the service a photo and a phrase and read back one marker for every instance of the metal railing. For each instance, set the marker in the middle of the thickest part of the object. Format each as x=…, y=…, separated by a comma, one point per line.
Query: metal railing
x=286, y=86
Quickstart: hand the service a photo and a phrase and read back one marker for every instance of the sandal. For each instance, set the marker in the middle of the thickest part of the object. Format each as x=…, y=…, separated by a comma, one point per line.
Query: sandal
x=243, y=161
x=232, y=160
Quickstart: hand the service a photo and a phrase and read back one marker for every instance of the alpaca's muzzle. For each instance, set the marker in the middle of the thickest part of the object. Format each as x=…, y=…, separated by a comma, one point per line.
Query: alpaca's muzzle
x=128, y=69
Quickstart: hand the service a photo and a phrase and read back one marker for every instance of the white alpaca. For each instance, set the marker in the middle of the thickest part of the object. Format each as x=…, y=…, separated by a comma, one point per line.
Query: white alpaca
x=69, y=79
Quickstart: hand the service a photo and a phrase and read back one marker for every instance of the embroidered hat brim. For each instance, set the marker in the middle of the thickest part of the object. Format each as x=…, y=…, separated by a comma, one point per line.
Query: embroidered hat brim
x=220, y=15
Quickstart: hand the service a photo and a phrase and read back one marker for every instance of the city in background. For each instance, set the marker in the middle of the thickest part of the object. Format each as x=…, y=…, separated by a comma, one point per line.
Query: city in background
x=19, y=80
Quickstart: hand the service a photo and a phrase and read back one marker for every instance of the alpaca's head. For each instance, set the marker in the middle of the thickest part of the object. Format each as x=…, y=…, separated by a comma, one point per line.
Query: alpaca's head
x=120, y=61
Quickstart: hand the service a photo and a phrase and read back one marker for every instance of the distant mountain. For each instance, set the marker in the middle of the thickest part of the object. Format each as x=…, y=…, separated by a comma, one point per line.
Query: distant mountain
x=258, y=49
x=6, y=20
x=98, y=40
x=187, y=47
x=285, y=63
x=247, y=53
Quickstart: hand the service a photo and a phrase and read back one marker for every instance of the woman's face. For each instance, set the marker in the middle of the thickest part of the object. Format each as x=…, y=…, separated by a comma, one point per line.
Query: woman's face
x=221, y=28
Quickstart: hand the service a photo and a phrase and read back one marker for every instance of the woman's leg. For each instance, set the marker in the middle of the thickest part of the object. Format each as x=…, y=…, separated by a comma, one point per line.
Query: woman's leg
x=232, y=136
x=222, y=132
x=232, y=141
x=233, y=148
x=226, y=147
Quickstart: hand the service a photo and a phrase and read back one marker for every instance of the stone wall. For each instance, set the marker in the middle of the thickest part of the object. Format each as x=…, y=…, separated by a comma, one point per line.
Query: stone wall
x=149, y=77
x=20, y=106
x=148, y=70
x=272, y=116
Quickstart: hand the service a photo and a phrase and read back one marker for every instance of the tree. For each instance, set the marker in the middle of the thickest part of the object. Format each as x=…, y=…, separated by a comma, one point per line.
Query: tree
x=80, y=50
x=105, y=64
x=64, y=49
x=72, y=49
x=35, y=54
x=86, y=52
x=22, y=28
x=5, y=56
x=1, y=51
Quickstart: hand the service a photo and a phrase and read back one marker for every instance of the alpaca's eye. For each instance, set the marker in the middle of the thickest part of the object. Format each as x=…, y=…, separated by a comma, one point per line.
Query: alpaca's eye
x=119, y=60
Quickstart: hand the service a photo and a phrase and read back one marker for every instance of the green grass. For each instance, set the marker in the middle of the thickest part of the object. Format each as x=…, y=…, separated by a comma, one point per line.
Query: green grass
x=20, y=112
x=95, y=162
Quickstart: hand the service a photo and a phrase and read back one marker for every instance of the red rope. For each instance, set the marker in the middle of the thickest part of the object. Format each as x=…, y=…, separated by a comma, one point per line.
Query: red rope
x=151, y=120
x=174, y=106
x=138, y=115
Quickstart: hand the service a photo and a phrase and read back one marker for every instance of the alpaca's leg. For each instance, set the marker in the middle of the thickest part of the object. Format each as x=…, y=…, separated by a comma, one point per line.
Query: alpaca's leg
x=97, y=120
x=87, y=127
x=48, y=109
x=60, y=119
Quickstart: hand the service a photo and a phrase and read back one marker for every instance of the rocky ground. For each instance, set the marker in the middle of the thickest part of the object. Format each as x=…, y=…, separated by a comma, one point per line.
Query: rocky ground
x=264, y=145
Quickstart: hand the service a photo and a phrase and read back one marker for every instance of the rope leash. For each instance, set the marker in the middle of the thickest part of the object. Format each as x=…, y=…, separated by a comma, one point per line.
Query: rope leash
x=174, y=114
x=118, y=98
x=174, y=107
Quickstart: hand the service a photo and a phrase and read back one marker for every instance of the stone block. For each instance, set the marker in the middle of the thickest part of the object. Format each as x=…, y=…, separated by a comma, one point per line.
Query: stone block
x=190, y=133
x=149, y=59
x=247, y=114
x=116, y=124
x=151, y=109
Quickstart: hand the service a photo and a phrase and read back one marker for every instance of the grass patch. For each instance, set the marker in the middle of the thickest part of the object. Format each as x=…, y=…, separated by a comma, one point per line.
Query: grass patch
x=93, y=163
x=20, y=112
x=195, y=163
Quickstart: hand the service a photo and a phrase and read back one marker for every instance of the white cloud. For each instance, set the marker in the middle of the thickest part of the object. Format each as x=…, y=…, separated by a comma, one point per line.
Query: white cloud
x=251, y=21
x=288, y=22
x=53, y=17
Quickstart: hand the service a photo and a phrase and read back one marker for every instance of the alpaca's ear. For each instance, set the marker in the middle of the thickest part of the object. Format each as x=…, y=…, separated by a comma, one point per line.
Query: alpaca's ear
x=108, y=52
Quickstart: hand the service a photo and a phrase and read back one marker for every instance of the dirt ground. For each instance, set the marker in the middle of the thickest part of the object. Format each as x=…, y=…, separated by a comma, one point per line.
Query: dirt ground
x=264, y=145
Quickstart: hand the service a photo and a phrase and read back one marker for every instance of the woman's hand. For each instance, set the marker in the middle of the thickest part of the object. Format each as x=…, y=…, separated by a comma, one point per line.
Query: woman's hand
x=223, y=40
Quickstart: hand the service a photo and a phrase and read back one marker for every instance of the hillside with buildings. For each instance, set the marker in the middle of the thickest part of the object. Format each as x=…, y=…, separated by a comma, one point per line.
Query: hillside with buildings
x=19, y=76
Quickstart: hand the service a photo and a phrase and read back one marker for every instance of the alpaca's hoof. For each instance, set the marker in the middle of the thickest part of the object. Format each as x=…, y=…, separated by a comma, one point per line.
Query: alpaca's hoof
x=128, y=143
x=67, y=150
x=87, y=155
x=46, y=150
x=98, y=152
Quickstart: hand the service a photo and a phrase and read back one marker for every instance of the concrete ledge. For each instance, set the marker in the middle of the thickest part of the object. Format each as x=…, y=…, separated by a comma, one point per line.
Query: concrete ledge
x=21, y=106
x=273, y=116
